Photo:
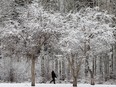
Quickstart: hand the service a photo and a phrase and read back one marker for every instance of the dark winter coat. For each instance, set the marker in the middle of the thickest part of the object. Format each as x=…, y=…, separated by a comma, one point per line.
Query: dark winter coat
x=53, y=74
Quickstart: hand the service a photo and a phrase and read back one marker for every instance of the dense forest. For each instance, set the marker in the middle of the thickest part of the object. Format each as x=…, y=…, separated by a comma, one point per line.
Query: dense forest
x=75, y=38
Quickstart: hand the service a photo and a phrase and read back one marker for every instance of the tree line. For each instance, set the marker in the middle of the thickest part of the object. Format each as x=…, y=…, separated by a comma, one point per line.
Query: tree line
x=60, y=34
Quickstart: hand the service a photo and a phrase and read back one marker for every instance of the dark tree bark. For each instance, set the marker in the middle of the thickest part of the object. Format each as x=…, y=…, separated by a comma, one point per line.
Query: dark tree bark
x=33, y=71
x=74, y=81
x=92, y=76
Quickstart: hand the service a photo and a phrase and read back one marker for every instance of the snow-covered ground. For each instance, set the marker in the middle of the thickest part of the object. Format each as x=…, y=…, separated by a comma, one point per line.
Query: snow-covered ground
x=50, y=85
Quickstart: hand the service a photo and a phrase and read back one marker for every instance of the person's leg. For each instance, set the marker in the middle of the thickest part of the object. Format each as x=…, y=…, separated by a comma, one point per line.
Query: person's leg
x=54, y=80
x=51, y=81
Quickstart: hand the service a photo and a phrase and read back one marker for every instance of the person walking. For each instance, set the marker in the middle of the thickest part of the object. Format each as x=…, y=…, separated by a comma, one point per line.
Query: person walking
x=53, y=77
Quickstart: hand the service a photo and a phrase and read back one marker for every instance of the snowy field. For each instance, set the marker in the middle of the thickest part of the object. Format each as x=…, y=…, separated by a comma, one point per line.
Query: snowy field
x=50, y=85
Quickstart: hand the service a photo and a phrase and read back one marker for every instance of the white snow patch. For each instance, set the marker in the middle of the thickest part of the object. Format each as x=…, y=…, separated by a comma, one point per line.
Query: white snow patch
x=50, y=85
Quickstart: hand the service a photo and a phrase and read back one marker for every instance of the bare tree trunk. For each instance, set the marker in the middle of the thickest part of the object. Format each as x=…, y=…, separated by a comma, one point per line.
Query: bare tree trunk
x=33, y=71
x=68, y=72
x=60, y=75
x=92, y=81
x=92, y=71
x=74, y=81
x=56, y=66
x=95, y=61
x=43, y=69
x=114, y=60
x=63, y=69
x=47, y=69
x=86, y=60
x=106, y=67
x=75, y=64
x=92, y=77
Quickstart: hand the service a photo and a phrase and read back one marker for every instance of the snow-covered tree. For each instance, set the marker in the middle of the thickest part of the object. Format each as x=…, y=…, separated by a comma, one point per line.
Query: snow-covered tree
x=86, y=32
x=38, y=29
x=30, y=31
